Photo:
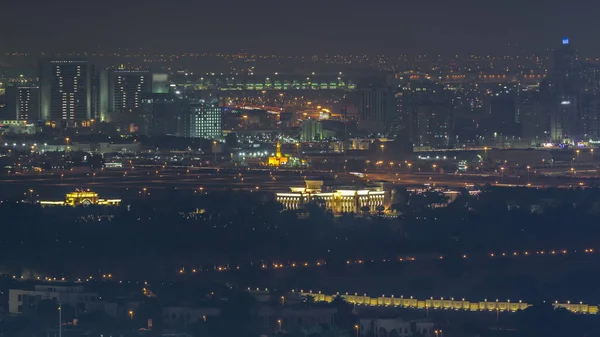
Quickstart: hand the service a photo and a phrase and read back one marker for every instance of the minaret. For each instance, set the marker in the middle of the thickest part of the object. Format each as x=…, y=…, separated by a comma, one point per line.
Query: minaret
x=278, y=151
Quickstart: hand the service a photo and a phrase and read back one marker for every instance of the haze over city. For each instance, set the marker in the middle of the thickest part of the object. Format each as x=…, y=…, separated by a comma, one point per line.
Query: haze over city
x=299, y=169
x=302, y=28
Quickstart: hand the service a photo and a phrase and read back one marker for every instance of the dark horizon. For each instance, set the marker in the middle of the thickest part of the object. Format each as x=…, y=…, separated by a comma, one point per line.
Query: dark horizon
x=304, y=28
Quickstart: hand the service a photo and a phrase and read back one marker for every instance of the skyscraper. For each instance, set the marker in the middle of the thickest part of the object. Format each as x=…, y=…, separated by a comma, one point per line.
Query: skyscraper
x=126, y=88
x=23, y=102
x=65, y=87
x=563, y=120
x=163, y=114
x=565, y=57
x=375, y=105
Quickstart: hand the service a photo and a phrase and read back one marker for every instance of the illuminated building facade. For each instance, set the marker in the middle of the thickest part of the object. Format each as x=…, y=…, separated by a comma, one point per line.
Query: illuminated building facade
x=82, y=198
x=66, y=90
x=312, y=130
x=126, y=89
x=265, y=82
x=23, y=102
x=278, y=159
x=205, y=120
x=339, y=201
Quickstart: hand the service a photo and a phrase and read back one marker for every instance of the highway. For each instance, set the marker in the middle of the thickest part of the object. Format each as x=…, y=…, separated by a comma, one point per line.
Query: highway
x=462, y=180
x=115, y=182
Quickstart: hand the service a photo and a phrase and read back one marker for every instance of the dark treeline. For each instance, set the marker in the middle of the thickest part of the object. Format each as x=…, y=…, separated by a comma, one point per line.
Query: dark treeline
x=157, y=235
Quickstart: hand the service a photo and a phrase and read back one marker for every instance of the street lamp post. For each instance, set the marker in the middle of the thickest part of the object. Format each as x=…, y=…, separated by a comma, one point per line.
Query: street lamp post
x=215, y=151
x=59, y=319
x=357, y=328
x=528, y=168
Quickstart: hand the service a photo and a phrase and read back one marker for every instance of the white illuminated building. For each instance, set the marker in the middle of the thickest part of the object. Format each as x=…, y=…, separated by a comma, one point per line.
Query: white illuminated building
x=338, y=200
x=205, y=121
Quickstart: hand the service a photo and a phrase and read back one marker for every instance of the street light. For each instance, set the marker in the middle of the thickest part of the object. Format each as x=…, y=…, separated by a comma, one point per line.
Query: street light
x=434, y=167
x=279, y=324
x=409, y=165
x=215, y=150
x=528, y=168
x=357, y=328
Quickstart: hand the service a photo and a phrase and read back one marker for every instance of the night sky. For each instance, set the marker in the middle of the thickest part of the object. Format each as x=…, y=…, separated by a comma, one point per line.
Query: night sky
x=301, y=27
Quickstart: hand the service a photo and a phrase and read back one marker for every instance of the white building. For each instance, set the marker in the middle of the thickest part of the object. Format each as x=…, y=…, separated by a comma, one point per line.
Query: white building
x=22, y=301
x=338, y=200
x=394, y=327
x=205, y=121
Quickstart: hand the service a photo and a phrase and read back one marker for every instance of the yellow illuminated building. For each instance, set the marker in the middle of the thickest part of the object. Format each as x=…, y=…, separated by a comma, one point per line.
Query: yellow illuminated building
x=82, y=198
x=339, y=201
x=278, y=159
x=445, y=303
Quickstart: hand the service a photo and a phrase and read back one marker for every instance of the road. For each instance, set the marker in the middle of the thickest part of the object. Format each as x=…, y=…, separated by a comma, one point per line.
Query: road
x=122, y=182
x=117, y=183
x=462, y=180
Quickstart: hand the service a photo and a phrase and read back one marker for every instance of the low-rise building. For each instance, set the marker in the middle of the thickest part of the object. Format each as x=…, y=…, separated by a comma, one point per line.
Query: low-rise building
x=181, y=316
x=395, y=327
x=81, y=198
x=338, y=199
x=22, y=301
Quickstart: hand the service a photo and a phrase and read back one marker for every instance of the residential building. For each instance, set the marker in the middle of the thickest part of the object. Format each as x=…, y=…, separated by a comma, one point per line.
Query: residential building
x=395, y=327
x=25, y=301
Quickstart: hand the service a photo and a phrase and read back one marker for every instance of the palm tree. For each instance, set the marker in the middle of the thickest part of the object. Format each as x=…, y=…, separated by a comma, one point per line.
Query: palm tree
x=365, y=210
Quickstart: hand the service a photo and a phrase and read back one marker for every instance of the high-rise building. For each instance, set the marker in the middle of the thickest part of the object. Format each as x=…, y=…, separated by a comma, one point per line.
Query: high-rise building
x=565, y=57
x=591, y=117
x=432, y=126
x=23, y=102
x=126, y=88
x=312, y=130
x=163, y=114
x=563, y=120
x=205, y=120
x=501, y=113
x=66, y=90
x=533, y=119
x=376, y=105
